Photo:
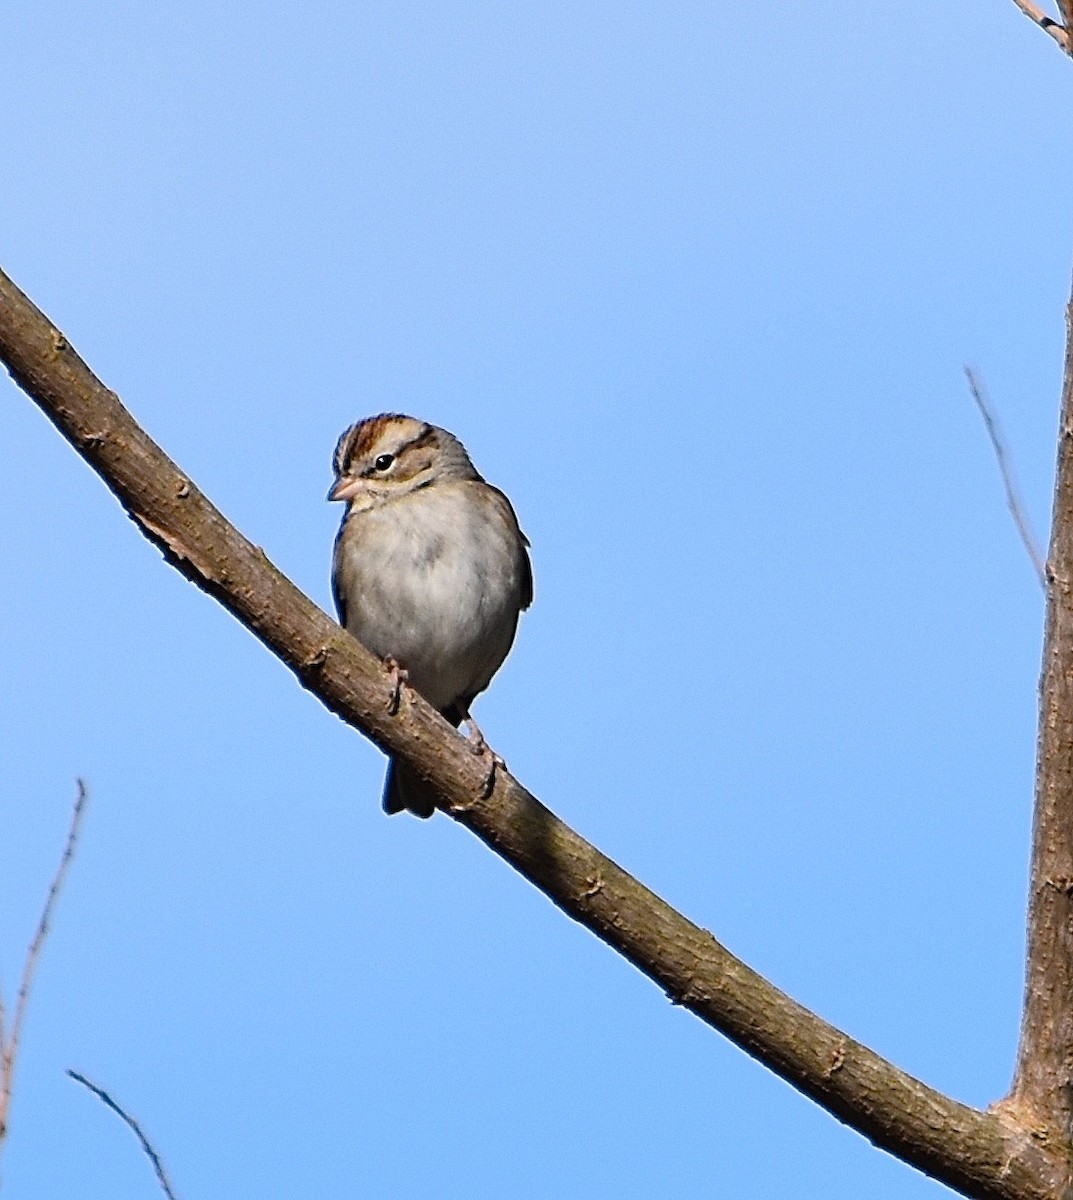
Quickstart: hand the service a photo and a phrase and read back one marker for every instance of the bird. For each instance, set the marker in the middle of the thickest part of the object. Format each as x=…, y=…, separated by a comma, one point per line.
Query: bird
x=430, y=571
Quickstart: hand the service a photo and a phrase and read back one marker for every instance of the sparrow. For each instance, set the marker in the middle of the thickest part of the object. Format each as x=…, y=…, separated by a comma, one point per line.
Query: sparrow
x=430, y=571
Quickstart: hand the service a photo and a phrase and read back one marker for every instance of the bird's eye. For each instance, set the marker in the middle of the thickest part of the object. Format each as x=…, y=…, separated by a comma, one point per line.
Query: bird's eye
x=384, y=461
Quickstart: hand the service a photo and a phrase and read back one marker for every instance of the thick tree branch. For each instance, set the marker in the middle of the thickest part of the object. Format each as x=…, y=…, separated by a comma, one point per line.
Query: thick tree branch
x=1065, y=7
x=986, y=1155
x=1043, y=1086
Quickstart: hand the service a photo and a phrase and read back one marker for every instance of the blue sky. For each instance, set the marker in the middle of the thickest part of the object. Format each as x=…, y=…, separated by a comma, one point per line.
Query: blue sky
x=695, y=284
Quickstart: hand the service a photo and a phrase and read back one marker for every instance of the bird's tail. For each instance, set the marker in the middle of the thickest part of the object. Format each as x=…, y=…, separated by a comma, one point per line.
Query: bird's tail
x=404, y=790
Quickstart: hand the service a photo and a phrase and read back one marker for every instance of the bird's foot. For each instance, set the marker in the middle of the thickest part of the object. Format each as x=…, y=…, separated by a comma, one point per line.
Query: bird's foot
x=474, y=736
x=398, y=675
x=479, y=746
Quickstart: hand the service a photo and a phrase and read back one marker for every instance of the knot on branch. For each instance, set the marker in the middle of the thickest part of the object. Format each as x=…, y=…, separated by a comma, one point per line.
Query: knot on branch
x=838, y=1058
x=310, y=667
x=685, y=997
x=596, y=886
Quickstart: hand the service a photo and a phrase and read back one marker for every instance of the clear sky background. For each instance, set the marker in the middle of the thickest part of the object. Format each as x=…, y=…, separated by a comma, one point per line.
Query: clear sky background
x=695, y=284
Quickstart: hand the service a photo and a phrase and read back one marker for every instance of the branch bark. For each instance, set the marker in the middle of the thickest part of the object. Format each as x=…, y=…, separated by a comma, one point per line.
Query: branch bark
x=981, y=1154
x=1065, y=7
x=1043, y=1085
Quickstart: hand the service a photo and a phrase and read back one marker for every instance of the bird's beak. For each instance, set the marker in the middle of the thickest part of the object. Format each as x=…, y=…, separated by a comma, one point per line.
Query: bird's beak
x=344, y=488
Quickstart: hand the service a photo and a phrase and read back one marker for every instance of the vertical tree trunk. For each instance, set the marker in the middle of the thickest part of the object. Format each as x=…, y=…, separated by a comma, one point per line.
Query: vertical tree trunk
x=1043, y=1086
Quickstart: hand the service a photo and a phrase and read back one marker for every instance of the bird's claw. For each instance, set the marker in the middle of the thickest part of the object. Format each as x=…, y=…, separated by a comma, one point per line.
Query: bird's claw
x=496, y=762
x=399, y=676
x=477, y=743
x=479, y=746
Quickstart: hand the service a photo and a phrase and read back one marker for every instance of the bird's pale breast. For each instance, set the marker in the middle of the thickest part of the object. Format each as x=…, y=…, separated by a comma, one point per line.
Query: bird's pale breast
x=435, y=579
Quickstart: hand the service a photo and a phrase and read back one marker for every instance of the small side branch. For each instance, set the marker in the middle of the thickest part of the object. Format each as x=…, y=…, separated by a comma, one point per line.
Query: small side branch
x=1009, y=480
x=1049, y=25
x=146, y=1145
x=9, y=1039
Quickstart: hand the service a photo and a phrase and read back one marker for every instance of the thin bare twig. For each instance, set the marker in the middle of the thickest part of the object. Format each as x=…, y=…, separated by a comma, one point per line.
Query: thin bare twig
x=1048, y=24
x=9, y=1046
x=1009, y=481
x=147, y=1146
